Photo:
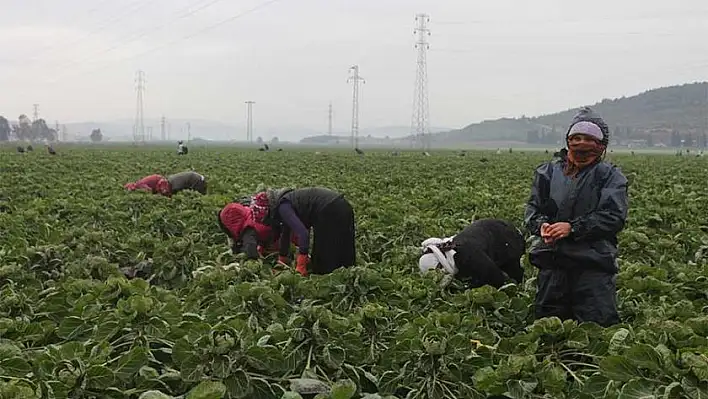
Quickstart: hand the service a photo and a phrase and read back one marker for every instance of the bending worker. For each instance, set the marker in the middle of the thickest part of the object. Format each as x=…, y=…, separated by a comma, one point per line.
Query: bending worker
x=182, y=181
x=297, y=210
x=577, y=207
x=487, y=252
x=172, y=184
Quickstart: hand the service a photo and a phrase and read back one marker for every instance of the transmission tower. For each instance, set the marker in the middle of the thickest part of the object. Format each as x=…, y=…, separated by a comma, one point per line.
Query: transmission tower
x=162, y=128
x=189, y=131
x=64, y=133
x=149, y=133
x=355, y=78
x=249, y=122
x=420, y=123
x=36, y=111
x=329, y=127
x=139, y=127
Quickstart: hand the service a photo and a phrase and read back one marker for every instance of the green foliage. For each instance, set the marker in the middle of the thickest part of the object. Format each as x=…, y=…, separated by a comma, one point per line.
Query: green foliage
x=206, y=325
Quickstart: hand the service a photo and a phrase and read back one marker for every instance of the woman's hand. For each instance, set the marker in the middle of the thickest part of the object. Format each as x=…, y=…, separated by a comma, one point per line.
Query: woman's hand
x=552, y=232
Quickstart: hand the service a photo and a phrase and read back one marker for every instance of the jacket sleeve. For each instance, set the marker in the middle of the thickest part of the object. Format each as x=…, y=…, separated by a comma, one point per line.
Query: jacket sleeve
x=249, y=240
x=609, y=218
x=290, y=219
x=284, y=241
x=536, y=214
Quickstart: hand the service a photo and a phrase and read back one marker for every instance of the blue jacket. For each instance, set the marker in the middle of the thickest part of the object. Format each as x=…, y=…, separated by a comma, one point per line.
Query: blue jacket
x=595, y=203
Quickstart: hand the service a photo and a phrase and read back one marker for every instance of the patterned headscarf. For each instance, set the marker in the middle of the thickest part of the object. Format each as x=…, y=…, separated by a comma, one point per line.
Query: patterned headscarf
x=260, y=206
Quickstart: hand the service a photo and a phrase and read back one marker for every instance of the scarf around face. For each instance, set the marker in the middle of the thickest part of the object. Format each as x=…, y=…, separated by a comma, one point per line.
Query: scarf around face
x=582, y=155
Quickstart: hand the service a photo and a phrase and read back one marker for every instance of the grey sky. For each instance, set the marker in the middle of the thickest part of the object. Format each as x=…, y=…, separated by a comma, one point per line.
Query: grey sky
x=488, y=59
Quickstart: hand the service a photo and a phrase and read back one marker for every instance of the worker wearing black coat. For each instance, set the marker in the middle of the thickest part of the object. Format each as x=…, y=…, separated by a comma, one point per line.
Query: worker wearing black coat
x=487, y=252
x=295, y=211
x=577, y=207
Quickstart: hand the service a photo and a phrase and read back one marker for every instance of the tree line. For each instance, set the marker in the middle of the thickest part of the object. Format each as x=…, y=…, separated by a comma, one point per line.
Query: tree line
x=28, y=130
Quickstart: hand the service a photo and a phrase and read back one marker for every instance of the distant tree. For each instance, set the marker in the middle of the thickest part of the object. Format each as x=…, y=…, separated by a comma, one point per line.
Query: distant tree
x=96, y=135
x=650, y=140
x=23, y=129
x=40, y=131
x=274, y=140
x=5, y=129
x=689, y=140
x=259, y=140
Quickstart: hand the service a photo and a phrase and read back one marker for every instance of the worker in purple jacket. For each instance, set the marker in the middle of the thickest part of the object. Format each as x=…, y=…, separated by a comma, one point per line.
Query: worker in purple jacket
x=330, y=216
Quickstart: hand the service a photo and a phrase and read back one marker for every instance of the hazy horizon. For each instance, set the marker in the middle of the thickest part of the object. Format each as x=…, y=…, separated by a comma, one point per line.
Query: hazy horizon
x=203, y=59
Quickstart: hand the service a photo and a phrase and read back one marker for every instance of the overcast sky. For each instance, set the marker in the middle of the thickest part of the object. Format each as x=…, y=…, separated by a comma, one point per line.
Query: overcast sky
x=487, y=58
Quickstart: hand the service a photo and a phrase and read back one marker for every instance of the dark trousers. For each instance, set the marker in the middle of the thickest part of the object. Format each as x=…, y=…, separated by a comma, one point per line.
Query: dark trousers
x=334, y=238
x=577, y=292
x=200, y=186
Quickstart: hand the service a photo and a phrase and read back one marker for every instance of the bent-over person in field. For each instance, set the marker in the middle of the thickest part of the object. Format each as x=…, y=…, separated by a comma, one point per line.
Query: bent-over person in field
x=487, y=252
x=182, y=181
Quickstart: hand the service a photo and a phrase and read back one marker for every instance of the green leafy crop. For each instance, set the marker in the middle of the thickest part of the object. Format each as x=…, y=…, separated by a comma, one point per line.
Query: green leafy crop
x=196, y=322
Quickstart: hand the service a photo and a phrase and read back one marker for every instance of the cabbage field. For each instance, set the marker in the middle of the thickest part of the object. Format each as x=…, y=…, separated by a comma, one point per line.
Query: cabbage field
x=198, y=323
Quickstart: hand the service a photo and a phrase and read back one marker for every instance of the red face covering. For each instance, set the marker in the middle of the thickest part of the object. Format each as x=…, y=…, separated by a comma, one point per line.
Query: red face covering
x=582, y=154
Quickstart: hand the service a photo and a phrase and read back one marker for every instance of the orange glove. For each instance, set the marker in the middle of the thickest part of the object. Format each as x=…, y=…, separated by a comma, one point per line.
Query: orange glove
x=302, y=261
x=283, y=260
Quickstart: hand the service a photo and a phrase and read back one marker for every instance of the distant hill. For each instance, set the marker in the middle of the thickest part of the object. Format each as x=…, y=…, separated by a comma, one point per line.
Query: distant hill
x=653, y=115
x=386, y=135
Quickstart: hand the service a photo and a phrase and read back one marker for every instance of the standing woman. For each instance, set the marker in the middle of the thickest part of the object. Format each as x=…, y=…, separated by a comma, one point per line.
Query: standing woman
x=330, y=216
x=577, y=207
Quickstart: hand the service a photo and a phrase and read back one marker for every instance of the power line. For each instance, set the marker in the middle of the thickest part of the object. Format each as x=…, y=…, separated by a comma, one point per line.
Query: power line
x=575, y=20
x=355, y=79
x=106, y=24
x=420, y=119
x=143, y=33
x=186, y=37
x=249, y=122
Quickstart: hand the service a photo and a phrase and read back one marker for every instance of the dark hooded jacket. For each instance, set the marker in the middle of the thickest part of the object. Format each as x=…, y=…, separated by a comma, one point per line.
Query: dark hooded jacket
x=485, y=249
x=595, y=203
